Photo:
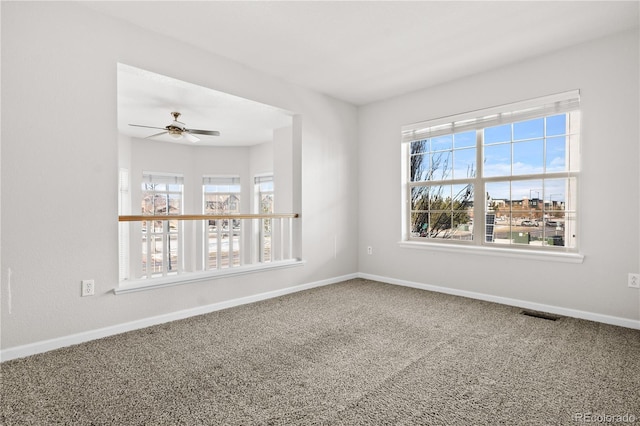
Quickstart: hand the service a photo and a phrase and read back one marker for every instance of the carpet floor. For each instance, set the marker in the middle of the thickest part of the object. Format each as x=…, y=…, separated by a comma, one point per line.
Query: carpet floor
x=354, y=353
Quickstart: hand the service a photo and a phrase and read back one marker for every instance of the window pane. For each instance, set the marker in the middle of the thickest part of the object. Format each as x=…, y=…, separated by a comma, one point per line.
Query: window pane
x=518, y=208
x=156, y=254
x=147, y=204
x=236, y=248
x=440, y=225
x=172, y=242
x=157, y=226
x=497, y=134
x=442, y=143
x=462, y=212
x=419, y=224
x=557, y=125
x=561, y=230
x=528, y=129
x=464, y=140
x=160, y=204
x=212, y=246
x=266, y=203
x=209, y=203
x=464, y=163
x=556, y=154
x=555, y=197
x=498, y=198
x=420, y=167
x=266, y=186
x=440, y=197
x=418, y=147
x=523, y=192
x=420, y=198
x=441, y=165
x=528, y=157
x=175, y=204
x=497, y=160
x=462, y=197
x=442, y=211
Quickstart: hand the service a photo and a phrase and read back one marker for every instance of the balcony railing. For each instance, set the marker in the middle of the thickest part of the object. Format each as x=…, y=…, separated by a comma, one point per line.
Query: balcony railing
x=177, y=248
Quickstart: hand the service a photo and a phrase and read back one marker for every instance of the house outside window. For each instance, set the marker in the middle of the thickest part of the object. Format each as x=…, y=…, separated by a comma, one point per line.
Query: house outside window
x=221, y=195
x=162, y=194
x=502, y=177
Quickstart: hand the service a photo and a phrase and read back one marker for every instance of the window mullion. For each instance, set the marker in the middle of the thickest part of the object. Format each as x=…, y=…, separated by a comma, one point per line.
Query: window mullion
x=479, y=198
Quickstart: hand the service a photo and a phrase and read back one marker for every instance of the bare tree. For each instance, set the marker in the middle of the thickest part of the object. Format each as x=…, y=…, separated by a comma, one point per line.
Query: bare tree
x=434, y=213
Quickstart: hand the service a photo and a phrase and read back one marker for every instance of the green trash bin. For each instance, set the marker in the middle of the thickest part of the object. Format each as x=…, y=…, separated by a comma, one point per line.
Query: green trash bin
x=556, y=240
x=521, y=237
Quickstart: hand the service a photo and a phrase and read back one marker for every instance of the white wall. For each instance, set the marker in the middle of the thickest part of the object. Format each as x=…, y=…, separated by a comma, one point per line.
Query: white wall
x=192, y=163
x=282, y=164
x=606, y=72
x=59, y=171
x=261, y=158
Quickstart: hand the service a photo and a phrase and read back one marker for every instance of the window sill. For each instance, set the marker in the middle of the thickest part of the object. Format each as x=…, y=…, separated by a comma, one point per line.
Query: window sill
x=189, y=277
x=547, y=256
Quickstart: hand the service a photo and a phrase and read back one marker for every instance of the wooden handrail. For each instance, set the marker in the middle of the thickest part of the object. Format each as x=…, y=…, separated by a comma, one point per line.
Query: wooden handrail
x=139, y=218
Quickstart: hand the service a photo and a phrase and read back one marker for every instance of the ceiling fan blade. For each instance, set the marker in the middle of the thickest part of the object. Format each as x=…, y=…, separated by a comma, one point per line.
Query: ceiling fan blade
x=148, y=127
x=188, y=136
x=204, y=132
x=157, y=134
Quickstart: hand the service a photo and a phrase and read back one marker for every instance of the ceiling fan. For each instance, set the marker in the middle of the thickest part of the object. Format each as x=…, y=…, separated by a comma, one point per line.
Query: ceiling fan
x=177, y=130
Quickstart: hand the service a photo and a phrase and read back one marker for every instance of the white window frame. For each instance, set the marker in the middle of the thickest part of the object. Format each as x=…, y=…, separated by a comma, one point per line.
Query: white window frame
x=264, y=250
x=230, y=181
x=566, y=102
x=167, y=179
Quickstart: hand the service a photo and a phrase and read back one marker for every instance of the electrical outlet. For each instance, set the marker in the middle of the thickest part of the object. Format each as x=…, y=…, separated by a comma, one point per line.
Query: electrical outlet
x=369, y=250
x=634, y=281
x=88, y=288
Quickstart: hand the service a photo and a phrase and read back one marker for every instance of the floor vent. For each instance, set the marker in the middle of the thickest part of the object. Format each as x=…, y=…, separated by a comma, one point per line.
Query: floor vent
x=542, y=315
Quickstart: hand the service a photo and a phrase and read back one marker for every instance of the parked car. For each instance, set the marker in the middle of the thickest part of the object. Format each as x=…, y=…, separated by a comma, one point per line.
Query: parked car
x=529, y=223
x=555, y=224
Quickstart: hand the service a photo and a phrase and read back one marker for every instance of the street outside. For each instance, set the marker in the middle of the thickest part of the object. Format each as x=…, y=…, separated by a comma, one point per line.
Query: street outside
x=518, y=232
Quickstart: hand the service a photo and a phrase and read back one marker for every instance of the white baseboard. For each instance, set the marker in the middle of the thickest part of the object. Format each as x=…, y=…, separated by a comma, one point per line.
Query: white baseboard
x=74, y=339
x=606, y=319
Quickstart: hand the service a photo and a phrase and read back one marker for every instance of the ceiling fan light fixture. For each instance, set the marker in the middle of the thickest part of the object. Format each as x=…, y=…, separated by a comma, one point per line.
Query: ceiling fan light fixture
x=177, y=130
x=174, y=132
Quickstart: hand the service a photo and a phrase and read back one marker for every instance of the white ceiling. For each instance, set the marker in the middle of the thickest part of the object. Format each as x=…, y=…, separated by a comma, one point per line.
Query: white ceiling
x=147, y=99
x=364, y=51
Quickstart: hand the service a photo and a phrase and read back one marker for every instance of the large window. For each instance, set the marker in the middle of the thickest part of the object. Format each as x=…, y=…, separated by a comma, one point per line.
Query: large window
x=504, y=176
x=161, y=240
x=221, y=195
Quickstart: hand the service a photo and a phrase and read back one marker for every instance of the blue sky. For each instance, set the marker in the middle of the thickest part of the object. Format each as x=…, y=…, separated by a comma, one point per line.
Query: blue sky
x=536, y=146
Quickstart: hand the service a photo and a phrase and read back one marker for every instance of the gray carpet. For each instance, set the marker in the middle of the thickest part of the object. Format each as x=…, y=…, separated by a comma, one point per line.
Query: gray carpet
x=354, y=353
